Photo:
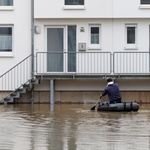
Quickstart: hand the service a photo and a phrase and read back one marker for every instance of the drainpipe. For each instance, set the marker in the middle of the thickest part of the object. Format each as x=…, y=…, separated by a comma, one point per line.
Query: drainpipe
x=32, y=36
x=32, y=48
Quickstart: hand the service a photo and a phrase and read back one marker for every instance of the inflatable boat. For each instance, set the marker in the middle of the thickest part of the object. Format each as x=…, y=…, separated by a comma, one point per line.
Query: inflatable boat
x=126, y=106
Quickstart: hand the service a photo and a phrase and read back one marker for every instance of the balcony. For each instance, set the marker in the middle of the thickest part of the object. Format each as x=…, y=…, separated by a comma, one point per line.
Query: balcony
x=93, y=64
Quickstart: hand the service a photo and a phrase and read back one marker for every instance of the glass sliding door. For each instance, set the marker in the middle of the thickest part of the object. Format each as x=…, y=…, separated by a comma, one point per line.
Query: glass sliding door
x=55, y=46
x=71, y=48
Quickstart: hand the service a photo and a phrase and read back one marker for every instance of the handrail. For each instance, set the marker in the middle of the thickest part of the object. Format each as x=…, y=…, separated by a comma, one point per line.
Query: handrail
x=15, y=77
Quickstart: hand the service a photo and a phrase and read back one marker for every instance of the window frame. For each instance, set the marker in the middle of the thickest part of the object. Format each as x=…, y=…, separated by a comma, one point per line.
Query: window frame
x=8, y=54
x=69, y=7
x=94, y=46
x=131, y=46
x=3, y=8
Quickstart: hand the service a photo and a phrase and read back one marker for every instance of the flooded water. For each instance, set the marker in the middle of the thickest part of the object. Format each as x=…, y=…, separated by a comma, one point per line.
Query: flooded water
x=72, y=127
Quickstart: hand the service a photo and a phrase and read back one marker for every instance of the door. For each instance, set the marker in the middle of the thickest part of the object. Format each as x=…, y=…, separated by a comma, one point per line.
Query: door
x=55, y=47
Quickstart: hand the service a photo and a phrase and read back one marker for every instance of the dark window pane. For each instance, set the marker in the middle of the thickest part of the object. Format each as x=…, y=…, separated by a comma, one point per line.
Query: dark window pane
x=6, y=2
x=130, y=35
x=145, y=1
x=94, y=35
x=72, y=48
x=74, y=2
x=5, y=39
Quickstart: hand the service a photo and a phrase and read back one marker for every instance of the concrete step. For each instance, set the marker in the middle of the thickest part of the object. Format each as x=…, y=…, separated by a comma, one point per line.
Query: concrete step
x=22, y=90
x=16, y=94
x=9, y=100
x=35, y=81
x=26, y=85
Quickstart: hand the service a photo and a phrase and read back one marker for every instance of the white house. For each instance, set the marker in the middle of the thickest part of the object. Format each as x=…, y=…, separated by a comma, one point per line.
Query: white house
x=77, y=45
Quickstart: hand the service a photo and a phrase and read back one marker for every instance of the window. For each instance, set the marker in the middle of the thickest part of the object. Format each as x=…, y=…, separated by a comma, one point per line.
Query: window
x=74, y=2
x=94, y=37
x=5, y=39
x=130, y=35
x=145, y=1
x=131, y=39
x=6, y=2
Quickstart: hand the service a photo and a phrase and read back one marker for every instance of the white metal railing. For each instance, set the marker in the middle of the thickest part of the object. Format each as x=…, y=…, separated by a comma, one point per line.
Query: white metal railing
x=73, y=63
x=131, y=63
x=14, y=78
x=54, y=63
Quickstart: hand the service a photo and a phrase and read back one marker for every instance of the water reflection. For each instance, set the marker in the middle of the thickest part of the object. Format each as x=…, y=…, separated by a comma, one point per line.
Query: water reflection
x=71, y=127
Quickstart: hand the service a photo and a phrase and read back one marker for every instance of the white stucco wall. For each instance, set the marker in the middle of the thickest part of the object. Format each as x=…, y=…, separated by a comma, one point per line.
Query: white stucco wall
x=93, y=9
x=54, y=9
x=106, y=31
x=130, y=9
x=142, y=34
x=112, y=33
x=20, y=19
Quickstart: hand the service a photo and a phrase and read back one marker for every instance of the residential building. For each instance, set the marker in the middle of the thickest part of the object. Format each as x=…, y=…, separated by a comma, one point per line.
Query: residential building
x=77, y=45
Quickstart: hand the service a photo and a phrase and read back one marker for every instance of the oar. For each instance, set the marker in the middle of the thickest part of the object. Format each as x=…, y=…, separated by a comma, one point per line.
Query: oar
x=93, y=108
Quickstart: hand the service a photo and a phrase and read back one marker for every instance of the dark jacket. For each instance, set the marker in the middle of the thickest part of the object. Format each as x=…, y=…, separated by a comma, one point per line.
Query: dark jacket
x=113, y=92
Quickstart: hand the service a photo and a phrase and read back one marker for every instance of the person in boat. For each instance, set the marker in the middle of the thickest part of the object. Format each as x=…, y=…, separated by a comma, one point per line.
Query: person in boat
x=113, y=92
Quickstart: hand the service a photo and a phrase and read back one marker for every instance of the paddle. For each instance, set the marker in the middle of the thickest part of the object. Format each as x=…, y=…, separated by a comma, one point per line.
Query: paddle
x=93, y=108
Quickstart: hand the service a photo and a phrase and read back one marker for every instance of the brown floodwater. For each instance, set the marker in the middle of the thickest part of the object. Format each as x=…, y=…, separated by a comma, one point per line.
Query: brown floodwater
x=72, y=127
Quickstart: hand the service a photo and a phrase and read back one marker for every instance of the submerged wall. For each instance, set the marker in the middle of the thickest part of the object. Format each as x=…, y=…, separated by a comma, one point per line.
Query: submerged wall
x=88, y=91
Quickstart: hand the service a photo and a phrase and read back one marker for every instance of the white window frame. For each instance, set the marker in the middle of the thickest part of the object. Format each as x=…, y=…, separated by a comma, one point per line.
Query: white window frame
x=80, y=7
x=131, y=46
x=94, y=46
x=7, y=8
x=144, y=6
x=8, y=54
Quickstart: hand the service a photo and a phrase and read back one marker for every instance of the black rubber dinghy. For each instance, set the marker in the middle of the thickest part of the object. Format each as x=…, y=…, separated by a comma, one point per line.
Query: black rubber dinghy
x=126, y=106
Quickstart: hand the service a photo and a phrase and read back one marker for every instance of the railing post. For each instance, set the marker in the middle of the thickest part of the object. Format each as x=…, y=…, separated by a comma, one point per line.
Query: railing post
x=111, y=63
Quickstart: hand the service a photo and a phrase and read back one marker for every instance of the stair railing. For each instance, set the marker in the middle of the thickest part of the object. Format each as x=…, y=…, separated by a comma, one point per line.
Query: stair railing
x=15, y=78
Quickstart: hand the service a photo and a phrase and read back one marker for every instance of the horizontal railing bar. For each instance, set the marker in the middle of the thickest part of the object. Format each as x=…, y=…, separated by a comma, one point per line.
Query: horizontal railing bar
x=131, y=52
x=57, y=52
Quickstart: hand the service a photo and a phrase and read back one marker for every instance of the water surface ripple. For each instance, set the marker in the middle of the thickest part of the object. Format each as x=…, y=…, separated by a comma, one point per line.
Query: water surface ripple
x=72, y=127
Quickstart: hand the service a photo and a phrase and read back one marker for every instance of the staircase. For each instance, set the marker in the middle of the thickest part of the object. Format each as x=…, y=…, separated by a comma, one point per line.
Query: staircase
x=16, y=81
x=23, y=89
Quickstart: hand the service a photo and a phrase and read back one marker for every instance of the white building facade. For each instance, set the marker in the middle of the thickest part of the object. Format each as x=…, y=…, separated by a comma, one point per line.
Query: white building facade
x=84, y=39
